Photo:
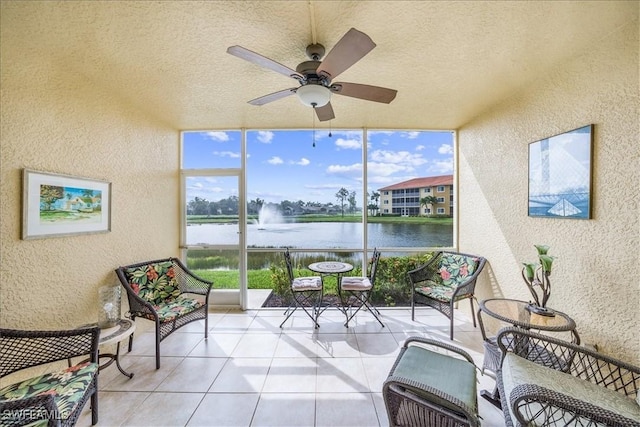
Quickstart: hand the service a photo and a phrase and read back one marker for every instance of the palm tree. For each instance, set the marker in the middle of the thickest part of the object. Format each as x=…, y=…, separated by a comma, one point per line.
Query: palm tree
x=341, y=195
x=429, y=201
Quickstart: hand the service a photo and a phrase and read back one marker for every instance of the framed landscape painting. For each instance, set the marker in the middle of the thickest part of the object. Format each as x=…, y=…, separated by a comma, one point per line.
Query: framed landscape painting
x=560, y=175
x=56, y=205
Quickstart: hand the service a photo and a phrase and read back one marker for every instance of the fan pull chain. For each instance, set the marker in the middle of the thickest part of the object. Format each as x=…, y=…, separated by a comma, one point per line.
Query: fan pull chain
x=313, y=121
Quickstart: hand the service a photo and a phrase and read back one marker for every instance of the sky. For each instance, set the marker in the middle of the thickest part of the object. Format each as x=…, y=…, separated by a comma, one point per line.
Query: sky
x=285, y=165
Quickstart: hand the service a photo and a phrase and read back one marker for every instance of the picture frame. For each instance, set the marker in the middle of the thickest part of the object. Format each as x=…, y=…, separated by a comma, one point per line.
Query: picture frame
x=56, y=205
x=561, y=175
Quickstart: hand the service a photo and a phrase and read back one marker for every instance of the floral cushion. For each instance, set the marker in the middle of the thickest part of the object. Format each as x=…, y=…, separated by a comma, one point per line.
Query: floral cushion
x=155, y=283
x=67, y=386
x=178, y=307
x=453, y=271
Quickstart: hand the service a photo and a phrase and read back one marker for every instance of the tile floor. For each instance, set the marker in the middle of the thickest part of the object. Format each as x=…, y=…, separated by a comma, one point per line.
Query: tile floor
x=250, y=372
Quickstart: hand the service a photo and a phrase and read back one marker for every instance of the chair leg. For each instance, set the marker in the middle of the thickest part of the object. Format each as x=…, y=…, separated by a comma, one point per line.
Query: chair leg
x=94, y=406
x=157, y=349
x=131, y=342
x=206, y=324
x=297, y=304
x=473, y=316
x=451, y=326
x=363, y=300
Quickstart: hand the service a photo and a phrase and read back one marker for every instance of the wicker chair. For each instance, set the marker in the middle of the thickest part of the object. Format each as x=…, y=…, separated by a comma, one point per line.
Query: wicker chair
x=545, y=381
x=306, y=293
x=447, y=278
x=56, y=398
x=165, y=292
x=431, y=389
x=356, y=291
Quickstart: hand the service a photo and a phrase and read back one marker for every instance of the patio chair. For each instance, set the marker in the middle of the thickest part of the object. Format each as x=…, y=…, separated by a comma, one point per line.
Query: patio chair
x=429, y=388
x=165, y=292
x=306, y=293
x=356, y=292
x=55, y=398
x=447, y=278
x=546, y=381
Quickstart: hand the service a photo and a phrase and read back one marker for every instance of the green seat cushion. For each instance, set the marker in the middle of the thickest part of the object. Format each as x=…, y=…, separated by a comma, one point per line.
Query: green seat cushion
x=68, y=387
x=517, y=370
x=449, y=375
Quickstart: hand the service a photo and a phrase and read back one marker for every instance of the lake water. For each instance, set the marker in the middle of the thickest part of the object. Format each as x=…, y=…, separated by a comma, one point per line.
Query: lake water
x=324, y=235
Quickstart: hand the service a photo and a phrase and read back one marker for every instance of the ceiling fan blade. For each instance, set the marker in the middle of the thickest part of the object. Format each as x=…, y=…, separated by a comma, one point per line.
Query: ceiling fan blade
x=352, y=47
x=273, y=96
x=369, y=93
x=325, y=112
x=263, y=61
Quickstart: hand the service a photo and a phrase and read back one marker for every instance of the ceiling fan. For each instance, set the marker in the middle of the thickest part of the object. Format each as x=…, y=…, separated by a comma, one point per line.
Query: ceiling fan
x=315, y=76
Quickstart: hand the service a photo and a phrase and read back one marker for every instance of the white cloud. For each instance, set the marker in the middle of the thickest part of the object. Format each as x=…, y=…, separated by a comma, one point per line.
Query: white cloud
x=377, y=169
x=303, y=162
x=445, y=149
x=218, y=136
x=265, y=136
x=275, y=160
x=398, y=157
x=232, y=154
x=420, y=147
x=410, y=135
x=442, y=166
x=348, y=144
x=354, y=169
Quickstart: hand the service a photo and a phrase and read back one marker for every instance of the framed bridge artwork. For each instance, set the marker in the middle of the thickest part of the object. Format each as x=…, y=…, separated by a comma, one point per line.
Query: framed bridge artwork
x=55, y=205
x=560, y=175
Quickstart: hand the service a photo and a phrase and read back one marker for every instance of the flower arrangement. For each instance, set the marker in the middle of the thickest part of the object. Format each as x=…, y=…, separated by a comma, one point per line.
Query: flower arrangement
x=536, y=276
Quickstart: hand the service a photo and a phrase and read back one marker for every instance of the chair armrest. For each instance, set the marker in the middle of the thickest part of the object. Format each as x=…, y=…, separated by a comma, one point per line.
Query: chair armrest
x=439, y=344
x=137, y=305
x=573, y=359
x=526, y=401
x=189, y=282
x=28, y=410
x=469, y=285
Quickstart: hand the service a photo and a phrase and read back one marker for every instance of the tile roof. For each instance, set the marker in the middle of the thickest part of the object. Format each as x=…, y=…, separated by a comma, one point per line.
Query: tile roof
x=430, y=181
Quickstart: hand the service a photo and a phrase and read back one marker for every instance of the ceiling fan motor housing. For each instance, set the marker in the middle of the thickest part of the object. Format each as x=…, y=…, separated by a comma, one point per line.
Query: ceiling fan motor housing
x=315, y=51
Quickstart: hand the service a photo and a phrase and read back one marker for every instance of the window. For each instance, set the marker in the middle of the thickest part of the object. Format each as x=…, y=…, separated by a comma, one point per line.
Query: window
x=247, y=194
x=440, y=189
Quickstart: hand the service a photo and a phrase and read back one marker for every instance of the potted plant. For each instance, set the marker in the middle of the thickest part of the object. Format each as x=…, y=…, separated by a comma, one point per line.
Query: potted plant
x=536, y=276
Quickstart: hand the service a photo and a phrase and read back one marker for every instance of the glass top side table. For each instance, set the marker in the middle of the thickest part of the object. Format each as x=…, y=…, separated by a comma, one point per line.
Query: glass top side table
x=515, y=312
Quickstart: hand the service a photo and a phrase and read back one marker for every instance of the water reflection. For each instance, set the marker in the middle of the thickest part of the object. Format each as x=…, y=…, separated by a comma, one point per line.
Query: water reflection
x=324, y=235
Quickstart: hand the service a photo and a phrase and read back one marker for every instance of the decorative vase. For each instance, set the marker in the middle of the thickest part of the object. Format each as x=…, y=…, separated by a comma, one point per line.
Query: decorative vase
x=108, y=306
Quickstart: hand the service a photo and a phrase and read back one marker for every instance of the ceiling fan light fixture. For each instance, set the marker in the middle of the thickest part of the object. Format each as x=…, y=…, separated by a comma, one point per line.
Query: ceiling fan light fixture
x=314, y=95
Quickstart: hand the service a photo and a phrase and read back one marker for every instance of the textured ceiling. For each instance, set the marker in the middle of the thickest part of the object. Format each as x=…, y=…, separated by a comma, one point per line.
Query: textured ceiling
x=449, y=61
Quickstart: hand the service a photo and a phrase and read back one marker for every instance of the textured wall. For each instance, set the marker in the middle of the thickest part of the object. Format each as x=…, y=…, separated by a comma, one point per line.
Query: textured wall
x=595, y=278
x=54, y=119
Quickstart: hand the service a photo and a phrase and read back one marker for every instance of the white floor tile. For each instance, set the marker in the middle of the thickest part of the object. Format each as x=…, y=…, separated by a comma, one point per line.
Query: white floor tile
x=251, y=372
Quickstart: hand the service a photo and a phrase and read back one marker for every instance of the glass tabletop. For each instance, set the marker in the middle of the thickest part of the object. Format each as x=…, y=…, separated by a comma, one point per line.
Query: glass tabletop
x=516, y=313
x=330, y=267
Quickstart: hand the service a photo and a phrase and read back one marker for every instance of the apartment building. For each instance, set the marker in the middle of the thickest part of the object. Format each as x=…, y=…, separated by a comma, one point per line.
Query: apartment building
x=404, y=197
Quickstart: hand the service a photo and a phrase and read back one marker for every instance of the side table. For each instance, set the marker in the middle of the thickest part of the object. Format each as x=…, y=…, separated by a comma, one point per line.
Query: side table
x=116, y=334
x=516, y=313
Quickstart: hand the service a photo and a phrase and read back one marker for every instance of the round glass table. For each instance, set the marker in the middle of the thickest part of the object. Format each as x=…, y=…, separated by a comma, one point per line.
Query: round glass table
x=518, y=314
